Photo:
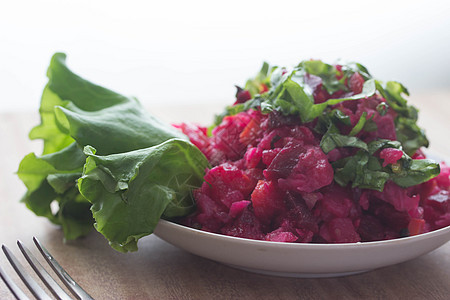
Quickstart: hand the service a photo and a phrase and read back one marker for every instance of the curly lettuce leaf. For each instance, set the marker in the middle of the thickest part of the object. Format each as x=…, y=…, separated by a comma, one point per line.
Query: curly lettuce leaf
x=74, y=113
x=131, y=191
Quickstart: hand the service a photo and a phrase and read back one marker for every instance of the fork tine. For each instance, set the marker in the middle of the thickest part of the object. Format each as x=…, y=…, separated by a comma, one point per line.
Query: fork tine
x=52, y=285
x=63, y=275
x=17, y=292
x=34, y=288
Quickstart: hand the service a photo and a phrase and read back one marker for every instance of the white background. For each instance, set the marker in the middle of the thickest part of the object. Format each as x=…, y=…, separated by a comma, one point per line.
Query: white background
x=180, y=52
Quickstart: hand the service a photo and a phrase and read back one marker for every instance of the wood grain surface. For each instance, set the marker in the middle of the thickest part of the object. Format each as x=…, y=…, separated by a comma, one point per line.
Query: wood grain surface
x=161, y=271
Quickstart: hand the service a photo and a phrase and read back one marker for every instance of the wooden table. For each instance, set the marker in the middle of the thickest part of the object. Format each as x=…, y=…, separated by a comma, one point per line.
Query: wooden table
x=161, y=271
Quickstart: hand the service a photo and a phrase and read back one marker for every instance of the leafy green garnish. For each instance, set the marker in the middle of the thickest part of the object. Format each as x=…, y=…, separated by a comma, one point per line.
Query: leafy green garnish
x=332, y=140
x=76, y=113
x=263, y=77
x=296, y=99
x=131, y=191
x=408, y=132
x=328, y=73
x=290, y=94
x=364, y=169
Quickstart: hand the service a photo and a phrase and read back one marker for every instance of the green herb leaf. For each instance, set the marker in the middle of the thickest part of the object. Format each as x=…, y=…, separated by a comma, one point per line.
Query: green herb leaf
x=409, y=133
x=364, y=170
x=335, y=140
x=416, y=171
x=326, y=72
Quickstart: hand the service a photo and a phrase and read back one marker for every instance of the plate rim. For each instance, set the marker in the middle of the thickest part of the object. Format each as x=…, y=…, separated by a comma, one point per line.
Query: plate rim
x=310, y=246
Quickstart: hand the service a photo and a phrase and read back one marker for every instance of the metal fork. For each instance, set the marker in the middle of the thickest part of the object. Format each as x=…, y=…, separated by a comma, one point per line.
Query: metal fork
x=49, y=282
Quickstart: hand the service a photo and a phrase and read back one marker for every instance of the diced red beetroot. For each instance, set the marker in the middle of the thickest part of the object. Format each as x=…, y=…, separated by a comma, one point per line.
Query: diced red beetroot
x=338, y=94
x=227, y=177
x=210, y=215
x=251, y=132
x=443, y=221
x=267, y=200
x=416, y=213
x=443, y=179
x=269, y=155
x=439, y=201
x=304, y=235
x=320, y=95
x=254, y=175
x=336, y=202
x=197, y=135
x=311, y=199
x=398, y=197
x=356, y=83
x=267, y=141
x=431, y=215
x=315, y=83
x=281, y=236
x=226, y=136
x=311, y=172
x=304, y=134
x=242, y=96
x=284, y=162
x=364, y=200
x=283, y=141
x=324, y=233
x=370, y=229
x=391, y=218
x=230, y=197
x=237, y=208
x=418, y=155
x=339, y=230
x=385, y=124
x=298, y=216
x=390, y=156
x=385, y=128
x=334, y=155
x=277, y=119
x=252, y=157
x=437, y=208
x=245, y=226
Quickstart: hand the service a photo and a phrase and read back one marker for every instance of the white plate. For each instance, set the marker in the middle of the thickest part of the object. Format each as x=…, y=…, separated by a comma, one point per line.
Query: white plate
x=300, y=260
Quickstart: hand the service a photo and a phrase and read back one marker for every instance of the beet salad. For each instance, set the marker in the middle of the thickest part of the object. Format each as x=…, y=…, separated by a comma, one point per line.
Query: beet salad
x=318, y=153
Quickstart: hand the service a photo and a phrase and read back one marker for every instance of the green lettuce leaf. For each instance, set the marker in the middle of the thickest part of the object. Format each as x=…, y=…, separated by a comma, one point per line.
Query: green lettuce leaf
x=131, y=191
x=76, y=113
